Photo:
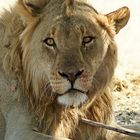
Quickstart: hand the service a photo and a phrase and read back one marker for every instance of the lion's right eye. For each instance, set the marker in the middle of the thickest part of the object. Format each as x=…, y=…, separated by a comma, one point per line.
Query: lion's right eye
x=49, y=42
x=87, y=40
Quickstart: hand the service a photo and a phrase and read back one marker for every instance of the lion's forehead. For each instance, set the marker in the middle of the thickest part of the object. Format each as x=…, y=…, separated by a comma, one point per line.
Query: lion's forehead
x=59, y=20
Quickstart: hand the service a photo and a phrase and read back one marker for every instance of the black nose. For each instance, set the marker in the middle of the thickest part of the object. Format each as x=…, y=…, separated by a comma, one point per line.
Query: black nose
x=71, y=76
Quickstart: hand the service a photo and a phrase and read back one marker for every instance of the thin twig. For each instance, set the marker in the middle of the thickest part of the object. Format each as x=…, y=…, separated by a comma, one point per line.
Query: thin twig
x=123, y=131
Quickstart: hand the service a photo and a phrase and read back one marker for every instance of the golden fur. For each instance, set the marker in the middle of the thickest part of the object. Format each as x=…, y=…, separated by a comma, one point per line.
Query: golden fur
x=25, y=64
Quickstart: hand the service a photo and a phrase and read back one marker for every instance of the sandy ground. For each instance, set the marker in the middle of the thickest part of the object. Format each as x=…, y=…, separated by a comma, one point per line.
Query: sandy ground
x=127, y=85
x=127, y=100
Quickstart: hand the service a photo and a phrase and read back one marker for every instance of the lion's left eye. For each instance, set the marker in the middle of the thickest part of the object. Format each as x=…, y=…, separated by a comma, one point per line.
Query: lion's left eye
x=87, y=40
x=49, y=42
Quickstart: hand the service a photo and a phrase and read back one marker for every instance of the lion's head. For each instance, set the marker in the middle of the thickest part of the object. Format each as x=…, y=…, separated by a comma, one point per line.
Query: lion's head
x=68, y=52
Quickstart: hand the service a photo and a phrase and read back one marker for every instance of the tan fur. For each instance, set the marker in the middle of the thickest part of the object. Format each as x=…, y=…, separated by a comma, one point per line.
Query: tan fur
x=37, y=73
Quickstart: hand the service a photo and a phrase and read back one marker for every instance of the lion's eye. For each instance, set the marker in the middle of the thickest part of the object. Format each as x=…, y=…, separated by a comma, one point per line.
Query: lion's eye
x=88, y=40
x=49, y=42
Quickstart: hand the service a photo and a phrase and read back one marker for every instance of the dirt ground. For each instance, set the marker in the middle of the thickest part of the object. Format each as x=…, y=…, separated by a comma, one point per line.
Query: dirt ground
x=127, y=100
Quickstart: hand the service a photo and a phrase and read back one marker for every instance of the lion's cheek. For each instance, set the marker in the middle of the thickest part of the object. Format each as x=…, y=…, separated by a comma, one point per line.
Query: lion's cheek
x=60, y=86
x=84, y=83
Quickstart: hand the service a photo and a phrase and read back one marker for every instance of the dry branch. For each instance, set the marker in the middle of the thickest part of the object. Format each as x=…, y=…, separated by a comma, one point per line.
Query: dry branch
x=123, y=131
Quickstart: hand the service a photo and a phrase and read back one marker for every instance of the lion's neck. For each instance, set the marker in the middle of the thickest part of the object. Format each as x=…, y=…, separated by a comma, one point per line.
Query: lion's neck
x=60, y=122
x=64, y=122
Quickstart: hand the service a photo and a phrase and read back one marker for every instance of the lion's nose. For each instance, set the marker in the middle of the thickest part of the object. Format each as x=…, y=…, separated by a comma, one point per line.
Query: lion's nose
x=71, y=76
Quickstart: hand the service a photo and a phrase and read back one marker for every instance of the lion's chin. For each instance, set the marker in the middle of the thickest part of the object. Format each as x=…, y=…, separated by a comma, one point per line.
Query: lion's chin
x=74, y=99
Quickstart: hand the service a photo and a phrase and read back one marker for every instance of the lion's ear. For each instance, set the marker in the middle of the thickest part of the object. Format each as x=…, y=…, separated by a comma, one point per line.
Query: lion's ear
x=29, y=9
x=119, y=18
x=35, y=6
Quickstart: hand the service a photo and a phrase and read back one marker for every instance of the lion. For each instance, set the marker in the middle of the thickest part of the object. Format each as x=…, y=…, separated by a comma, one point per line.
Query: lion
x=57, y=63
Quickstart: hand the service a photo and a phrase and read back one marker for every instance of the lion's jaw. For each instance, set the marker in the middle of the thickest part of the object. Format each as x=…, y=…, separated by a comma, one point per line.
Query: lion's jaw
x=72, y=99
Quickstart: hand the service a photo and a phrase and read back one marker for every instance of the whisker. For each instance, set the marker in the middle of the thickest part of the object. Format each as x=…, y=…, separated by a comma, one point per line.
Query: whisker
x=95, y=82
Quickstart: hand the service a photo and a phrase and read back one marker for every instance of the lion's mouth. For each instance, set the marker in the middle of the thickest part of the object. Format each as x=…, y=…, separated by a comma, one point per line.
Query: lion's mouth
x=72, y=97
x=72, y=91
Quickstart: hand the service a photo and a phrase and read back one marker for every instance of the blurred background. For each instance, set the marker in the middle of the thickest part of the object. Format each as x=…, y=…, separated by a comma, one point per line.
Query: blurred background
x=128, y=39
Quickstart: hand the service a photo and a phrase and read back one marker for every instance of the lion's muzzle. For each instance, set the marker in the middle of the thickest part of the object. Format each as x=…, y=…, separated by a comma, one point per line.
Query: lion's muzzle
x=72, y=76
x=71, y=88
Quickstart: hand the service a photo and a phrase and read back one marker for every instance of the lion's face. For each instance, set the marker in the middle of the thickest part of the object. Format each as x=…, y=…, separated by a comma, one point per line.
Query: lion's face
x=68, y=55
